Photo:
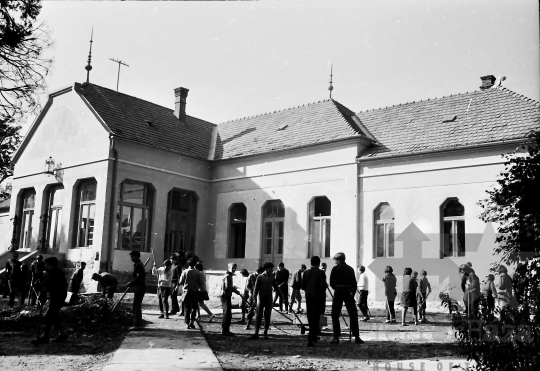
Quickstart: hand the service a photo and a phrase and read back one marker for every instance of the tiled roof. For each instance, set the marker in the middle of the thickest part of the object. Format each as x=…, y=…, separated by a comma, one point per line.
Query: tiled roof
x=126, y=116
x=484, y=116
x=295, y=127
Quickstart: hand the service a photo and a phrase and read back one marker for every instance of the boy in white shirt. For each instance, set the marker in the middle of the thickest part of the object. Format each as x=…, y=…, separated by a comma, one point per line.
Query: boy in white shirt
x=362, y=287
x=164, y=274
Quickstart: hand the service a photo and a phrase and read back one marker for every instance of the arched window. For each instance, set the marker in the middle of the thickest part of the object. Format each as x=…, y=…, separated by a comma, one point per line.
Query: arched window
x=453, y=223
x=135, y=212
x=273, y=228
x=56, y=202
x=27, y=213
x=86, y=213
x=237, y=231
x=181, y=221
x=320, y=214
x=384, y=231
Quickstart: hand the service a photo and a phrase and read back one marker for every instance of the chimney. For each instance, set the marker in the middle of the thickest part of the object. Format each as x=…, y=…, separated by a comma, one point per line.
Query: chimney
x=487, y=81
x=180, y=97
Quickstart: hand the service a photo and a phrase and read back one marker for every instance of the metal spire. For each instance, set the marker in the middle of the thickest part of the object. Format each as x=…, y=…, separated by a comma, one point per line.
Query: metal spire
x=88, y=68
x=331, y=87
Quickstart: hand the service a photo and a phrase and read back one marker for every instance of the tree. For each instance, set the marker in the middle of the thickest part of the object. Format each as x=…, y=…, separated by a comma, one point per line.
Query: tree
x=515, y=203
x=23, y=68
x=22, y=65
x=510, y=340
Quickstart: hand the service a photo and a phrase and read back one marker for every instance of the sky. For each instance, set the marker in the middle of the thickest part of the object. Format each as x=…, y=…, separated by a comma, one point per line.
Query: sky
x=241, y=59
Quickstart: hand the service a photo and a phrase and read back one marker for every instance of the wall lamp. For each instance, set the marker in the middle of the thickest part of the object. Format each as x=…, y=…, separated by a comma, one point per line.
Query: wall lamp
x=49, y=166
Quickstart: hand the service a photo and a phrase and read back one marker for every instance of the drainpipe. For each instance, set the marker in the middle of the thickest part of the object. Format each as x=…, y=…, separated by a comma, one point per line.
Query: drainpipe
x=112, y=215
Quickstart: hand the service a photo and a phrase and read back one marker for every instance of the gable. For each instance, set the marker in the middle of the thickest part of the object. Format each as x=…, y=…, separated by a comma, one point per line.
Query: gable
x=67, y=131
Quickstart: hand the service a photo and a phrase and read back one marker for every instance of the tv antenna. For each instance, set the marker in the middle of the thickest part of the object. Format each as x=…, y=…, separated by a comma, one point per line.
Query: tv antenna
x=120, y=63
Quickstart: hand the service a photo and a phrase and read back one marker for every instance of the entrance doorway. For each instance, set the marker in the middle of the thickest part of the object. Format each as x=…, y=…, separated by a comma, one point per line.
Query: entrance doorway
x=273, y=236
x=181, y=221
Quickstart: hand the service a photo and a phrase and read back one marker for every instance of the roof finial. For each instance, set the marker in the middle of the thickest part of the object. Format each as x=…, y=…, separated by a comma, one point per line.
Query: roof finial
x=331, y=87
x=88, y=68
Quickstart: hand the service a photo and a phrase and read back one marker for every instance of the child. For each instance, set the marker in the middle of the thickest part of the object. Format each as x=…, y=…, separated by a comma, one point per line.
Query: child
x=424, y=288
x=164, y=286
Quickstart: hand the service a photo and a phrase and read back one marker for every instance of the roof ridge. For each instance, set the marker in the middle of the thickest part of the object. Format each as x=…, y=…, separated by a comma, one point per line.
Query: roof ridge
x=275, y=111
x=421, y=100
x=147, y=101
x=349, y=126
x=520, y=96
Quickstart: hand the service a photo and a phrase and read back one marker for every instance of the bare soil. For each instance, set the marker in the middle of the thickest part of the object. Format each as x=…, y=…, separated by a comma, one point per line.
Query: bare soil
x=287, y=347
x=89, y=346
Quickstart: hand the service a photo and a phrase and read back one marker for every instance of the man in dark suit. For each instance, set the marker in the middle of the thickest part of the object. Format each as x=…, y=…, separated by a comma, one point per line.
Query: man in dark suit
x=343, y=281
x=282, y=279
x=314, y=285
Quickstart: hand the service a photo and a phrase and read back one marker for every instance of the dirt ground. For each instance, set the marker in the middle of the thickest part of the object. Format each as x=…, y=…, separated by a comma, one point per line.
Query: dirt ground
x=84, y=350
x=286, y=349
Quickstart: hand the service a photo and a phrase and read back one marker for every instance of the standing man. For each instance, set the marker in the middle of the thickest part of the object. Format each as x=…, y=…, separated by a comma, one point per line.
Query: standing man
x=76, y=280
x=314, y=285
x=177, y=271
x=227, y=290
x=425, y=289
x=252, y=302
x=282, y=279
x=13, y=270
x=362, y=286
x=296, y=286
x=192, y=281
x=37, y=268
x=245, y=295
x=343, y=281
x=108, y=283
x=138, y=283
x=263, y=294
x=56, y=285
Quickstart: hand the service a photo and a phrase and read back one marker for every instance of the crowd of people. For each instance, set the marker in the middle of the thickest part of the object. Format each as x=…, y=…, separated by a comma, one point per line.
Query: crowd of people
x=182, y=280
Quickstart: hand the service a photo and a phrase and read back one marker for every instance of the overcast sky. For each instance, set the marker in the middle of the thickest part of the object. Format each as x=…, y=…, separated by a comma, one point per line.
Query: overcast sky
x=246, y=58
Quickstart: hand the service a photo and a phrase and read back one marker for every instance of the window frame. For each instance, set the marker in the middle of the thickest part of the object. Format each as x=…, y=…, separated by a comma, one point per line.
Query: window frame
x=56, y=210
x=274, y=220
x=233, y=251
x=453, y=229
x=386, y=226
x=326, y=224
x=25, y=241
x=146, y=217
x=79, y=212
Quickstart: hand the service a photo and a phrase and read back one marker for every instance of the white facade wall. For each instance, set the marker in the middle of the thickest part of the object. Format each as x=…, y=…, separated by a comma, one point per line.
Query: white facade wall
x=295, y=178
x=416, y=187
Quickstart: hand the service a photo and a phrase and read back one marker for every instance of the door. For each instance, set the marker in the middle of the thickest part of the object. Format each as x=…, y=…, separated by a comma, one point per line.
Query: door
x=273, y=232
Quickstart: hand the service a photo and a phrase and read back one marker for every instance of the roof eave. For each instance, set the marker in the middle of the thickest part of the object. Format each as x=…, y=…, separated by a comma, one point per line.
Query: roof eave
x=355, y=138
x=509, y=142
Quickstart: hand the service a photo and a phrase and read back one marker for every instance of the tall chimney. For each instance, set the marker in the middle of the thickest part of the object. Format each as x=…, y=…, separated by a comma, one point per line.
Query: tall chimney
x=487, y=81
x=180, y=97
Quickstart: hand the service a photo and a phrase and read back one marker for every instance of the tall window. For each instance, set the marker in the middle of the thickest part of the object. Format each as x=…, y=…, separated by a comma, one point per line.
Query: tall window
x=273, y=225
x=237, y=231
x=453, y=228
x=135, y=211
x=86, y=213
x=320, y=211
x=384, y=231
x=56, y=201
x=27, y=213
x=181, y=221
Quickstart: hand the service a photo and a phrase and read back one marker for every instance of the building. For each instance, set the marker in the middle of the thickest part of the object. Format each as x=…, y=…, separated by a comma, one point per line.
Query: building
x=281, y=186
